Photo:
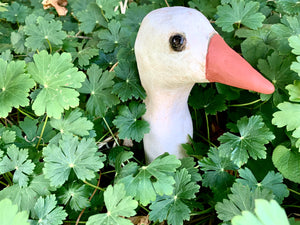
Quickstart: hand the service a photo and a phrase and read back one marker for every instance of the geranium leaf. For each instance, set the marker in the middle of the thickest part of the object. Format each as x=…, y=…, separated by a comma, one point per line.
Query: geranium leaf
x=76, y=195
x=253, y=136
x=144, y=188
x=118, y=205
x=209, y=100
x=173, y=207
x=108, y=6
x=43, y=30
x=90, y=18
x=11, y=215
x=73, y=123
x=16, y=13
x=71, y=154
x=98, y=84
x=58, y=79
x=26, y=197
x=129, y=123
x=239, y=12
x=272, y=181
x=289, y=6
x=128, y=83
x=17, y=159
x=46, y=211
x=215, y=169
x=14, y=86
x=241, y=199
x=266, y=212
x=287, y=162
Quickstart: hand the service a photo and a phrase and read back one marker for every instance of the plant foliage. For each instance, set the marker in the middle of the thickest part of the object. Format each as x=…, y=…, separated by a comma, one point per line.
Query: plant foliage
x=71, y=124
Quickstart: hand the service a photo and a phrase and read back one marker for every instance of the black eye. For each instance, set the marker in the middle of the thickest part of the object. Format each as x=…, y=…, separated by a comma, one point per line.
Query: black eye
x=177, y=42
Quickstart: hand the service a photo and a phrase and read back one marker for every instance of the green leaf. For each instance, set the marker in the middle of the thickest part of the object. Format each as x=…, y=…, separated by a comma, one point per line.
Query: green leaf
x=134, y=16
x=207, y=7
x=58, y=79
x=209, y=100
x=266, y=212
x=84, y=54
x=14, y=86
x=286, y=117
x=118, y=205
x=276, y=69
x=16, y=13
x=17, y=159
x=90, y=18
x=46, y=212
x=294, y=43
x=129, y=123
x=76, y=195
x=18, y=41
x=289, y=26
x=250, y=143
x=26, y=197
x=272, y=181
x=173, y=207
x=240, y=200
x=156, y=178
x=128, y=83
x=289, y=6
x=99, y=86
x=6, y=136
x=287, y=162
x=108, y=6
x=73, y=123
x=113, y=37
x=189, y=164
x=294, y=91
x=215, y=169
x=71, y=154
x=43, y=31
x=239, y=12
x=10, y=215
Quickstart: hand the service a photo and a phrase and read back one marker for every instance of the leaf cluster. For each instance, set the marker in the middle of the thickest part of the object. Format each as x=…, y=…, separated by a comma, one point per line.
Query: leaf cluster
x=71, y=119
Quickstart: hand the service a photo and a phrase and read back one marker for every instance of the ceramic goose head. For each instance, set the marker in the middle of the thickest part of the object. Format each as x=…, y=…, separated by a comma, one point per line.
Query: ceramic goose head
x=175, y=48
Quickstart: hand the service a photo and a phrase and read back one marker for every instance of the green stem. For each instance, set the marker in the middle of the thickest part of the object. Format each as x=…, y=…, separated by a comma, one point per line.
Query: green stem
x=94, y=186
x=104, y=15
x=43, y=129
x=205, y=139
x=7, y=178
x=50, y=47
x=201, y=212
x=110, y=131
x=245, y=104
x=103, y=136
x=144, y=208
x=25, y=113
x=295, y=192
x=291, y=206
x=1, y=182
x=207, y=127
x=111, y=171
x=80, y=222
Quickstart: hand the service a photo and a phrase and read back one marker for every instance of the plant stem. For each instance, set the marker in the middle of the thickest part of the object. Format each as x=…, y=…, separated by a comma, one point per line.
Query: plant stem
x=291, y=206
x=207, y=127
x=201, y=212
x=111, y=171
x=94, y=186
x=245, y=104
x=144, y=208
x=50, y=47
x=205, y=139
x=295, y=192
x=43, y=129
x=25, y=113
x=1, y=182
x=110, y=131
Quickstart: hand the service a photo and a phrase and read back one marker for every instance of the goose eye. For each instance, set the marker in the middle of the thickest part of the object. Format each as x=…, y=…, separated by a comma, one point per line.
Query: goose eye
x=177, y=42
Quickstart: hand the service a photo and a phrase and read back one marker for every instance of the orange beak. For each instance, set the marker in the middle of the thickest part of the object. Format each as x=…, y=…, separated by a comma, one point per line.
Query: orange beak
x=224, y=65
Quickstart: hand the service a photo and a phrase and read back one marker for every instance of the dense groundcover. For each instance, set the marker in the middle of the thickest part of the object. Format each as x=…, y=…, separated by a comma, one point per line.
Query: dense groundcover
x=71, y=130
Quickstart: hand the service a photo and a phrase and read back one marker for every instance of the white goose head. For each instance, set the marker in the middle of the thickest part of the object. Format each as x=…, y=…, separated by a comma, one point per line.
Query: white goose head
x=175, y=48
